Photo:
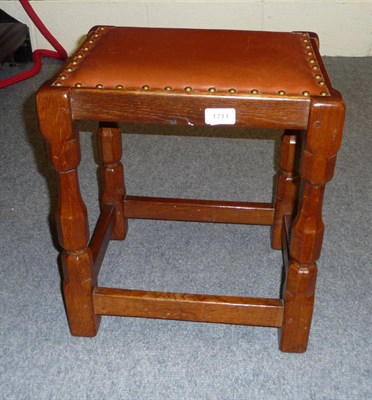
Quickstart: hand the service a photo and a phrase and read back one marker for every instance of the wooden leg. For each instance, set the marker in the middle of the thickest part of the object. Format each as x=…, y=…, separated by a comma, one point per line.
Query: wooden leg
x=301, y=272
x=112, y=175
x=286, y=186
x=77, y=262
x=61, y=136
x=322, y=141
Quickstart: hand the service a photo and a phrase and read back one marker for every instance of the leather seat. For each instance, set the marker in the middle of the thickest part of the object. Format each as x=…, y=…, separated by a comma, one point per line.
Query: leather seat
x=191, y=60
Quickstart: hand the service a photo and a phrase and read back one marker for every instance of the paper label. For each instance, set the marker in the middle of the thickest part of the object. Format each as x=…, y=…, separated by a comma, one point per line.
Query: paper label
x=220, y=116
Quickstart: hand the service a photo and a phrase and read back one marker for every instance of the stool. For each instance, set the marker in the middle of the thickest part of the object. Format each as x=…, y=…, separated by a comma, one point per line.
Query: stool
x=193, y=77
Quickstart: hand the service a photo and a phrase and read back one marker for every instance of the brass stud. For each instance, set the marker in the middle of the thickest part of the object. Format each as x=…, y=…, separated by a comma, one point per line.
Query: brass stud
x=321, y=83
x=90, y=41
x=281, y=92
x=69, y=69
x=304, y=34
x=78, y=85
x=212, y=90
x=315, y=67
x=99, y=86
x=323, y=93
x=119, y=87
x=74, y=63
x=188, y=89
x=96, y=35
x=63, y=77
x=79, y=56
x=312, y=61
x=232, y=90
x=306, y=93
x=254, y=91
x=168, y=88
x=102, y=28
x=310, y=53
x=308, y=47
x=306, y=41
x=317, y=76
x=145, y=87
x=58, y=83
x=85, y=48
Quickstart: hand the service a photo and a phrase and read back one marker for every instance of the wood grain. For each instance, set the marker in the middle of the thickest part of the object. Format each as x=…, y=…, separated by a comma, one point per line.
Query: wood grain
x=188, y=109
x=198, y=210
x=189, y=307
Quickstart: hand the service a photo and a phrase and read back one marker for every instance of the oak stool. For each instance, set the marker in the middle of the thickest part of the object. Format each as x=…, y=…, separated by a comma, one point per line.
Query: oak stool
x=193, y=77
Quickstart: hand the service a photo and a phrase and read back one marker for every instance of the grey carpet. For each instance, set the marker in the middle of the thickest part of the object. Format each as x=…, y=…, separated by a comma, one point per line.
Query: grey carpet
x=153, y=359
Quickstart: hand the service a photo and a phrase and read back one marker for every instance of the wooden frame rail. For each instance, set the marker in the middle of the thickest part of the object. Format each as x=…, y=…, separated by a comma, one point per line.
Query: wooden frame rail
x=263, y=111
x=287, y=225
x=198, y=210
x=182, y=306
x=101, y=236
x=188, y=307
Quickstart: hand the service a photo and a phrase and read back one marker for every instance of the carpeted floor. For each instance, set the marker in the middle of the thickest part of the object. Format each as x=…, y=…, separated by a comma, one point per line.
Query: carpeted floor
x=153, y=359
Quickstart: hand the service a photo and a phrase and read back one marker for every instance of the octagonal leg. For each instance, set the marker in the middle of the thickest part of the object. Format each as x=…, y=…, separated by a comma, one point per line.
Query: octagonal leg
x=61, y=135
x=286, y=193
x=321, y=142
x=112, y=174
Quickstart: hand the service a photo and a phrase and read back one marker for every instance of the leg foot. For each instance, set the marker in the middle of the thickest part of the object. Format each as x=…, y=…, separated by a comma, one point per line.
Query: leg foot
x=78, y=288
x=298, y=307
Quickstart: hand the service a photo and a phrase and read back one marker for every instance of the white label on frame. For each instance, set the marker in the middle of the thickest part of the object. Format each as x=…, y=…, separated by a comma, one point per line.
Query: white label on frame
x=220, y=116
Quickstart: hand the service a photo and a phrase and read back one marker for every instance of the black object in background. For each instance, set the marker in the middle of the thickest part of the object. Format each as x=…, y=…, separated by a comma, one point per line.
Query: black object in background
x=15, y=45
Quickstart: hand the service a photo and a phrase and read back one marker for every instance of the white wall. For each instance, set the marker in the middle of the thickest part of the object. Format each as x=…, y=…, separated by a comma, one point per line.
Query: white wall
x=344, y=27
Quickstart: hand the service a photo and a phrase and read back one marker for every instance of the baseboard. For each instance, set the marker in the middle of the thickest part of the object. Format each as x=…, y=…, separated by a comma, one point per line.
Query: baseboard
x=344, y=27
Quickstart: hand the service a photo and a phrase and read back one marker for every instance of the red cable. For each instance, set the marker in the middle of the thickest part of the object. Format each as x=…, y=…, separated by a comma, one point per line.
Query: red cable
x=59, y=54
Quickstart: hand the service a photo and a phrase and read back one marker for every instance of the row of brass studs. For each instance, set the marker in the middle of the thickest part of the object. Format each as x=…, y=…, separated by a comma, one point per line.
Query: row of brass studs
x=78, y=58
x=189, y=89
x=314, y=66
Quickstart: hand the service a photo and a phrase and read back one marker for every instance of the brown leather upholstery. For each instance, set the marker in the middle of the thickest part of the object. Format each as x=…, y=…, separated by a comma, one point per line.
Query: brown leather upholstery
x=199, y=60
